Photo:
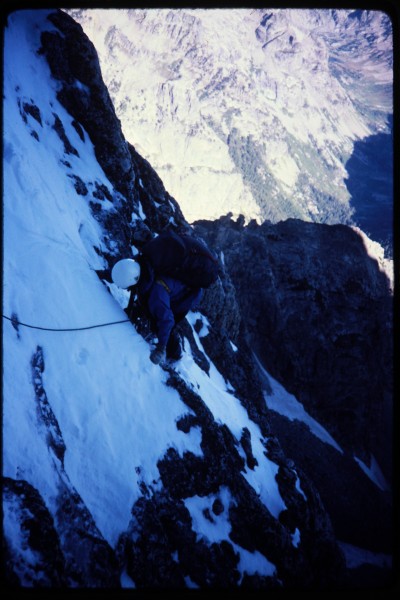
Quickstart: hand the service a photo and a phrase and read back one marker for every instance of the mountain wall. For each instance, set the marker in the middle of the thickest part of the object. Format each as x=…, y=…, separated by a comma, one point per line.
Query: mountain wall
x=318, y=311
x=69, y=548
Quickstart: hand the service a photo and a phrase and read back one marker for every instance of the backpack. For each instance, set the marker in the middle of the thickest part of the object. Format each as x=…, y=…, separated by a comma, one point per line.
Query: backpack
x=182, y=257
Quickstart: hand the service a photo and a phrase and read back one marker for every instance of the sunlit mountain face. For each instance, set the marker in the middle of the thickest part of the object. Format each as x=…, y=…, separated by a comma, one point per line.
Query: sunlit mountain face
x=271, y=113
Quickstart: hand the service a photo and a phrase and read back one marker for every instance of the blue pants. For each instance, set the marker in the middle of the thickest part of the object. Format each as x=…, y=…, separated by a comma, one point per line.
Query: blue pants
x=169, y=301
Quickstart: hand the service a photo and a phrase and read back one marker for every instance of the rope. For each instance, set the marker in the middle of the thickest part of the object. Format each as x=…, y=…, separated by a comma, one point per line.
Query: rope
x=15, y=321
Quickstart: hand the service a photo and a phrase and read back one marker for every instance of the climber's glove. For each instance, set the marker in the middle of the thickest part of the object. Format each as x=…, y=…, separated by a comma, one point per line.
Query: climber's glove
x=158, y=354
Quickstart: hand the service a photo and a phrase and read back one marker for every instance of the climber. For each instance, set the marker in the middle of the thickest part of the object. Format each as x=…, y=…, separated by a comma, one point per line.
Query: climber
x=164, y=301
x=168, y=301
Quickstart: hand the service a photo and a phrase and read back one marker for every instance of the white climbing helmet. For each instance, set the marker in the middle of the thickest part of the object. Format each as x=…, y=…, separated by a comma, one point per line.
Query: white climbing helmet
x=125, y=273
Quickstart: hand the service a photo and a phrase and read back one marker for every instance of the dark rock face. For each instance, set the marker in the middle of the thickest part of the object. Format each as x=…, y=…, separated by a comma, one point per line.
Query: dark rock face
x=360, y=512
x=74, y=62
x=59, y=551
x=37, y=527
x=320, y=321
x=161, y=525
